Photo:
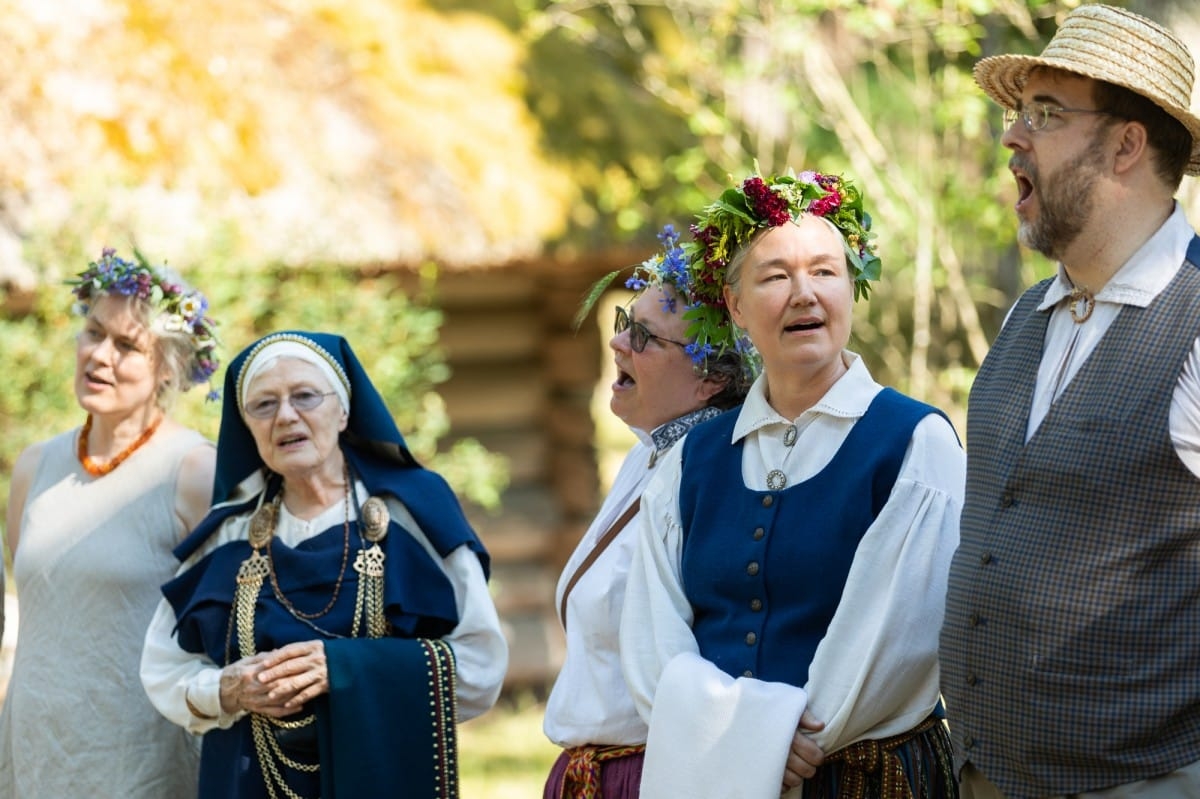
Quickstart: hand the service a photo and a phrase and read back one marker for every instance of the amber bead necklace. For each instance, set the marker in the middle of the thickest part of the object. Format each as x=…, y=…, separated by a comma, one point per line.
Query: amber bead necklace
x=101, y=469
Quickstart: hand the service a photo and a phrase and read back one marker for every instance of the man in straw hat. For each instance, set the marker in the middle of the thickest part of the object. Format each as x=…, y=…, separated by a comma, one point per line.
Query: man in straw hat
x=1071, y=646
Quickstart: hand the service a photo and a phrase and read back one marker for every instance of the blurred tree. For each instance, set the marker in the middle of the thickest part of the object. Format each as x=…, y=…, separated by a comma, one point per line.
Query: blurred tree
x=273, y=152
x=879, y=89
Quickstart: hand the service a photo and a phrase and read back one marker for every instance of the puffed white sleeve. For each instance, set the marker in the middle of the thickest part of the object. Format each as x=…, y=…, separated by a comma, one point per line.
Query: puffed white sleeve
x=480, y=649
x=875, y=672
x=656, y=619
x=183, y=686
x=678, y=692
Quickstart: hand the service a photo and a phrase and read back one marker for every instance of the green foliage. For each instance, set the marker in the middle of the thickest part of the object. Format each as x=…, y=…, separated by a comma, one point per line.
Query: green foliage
x=394, y=334
x=663, y=101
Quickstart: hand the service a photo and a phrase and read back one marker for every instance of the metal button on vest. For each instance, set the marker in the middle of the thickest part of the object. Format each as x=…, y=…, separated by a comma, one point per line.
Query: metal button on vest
x=756, y=605
x=751, y=639
x=985, y=558
x=759, y=533
x=972, y=679
x=975, y=619
x=752, y=568
x=747, y=673
x=768, y=501
x=968, y=742
x=1007, y=501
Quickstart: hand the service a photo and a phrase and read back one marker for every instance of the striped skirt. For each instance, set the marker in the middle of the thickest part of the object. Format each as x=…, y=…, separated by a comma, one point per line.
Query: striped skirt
x=917, y=764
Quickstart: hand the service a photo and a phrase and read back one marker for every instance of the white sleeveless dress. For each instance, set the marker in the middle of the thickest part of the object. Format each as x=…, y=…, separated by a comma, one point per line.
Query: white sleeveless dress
x=93, y=553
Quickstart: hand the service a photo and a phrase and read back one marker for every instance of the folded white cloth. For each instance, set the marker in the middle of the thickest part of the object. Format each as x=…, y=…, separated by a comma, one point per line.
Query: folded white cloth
x=715, y=737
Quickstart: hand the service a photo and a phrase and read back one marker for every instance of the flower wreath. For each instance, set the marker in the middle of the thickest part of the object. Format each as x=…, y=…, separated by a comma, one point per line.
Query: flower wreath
x=180, y=308
x=697, y=268
x=711, y=331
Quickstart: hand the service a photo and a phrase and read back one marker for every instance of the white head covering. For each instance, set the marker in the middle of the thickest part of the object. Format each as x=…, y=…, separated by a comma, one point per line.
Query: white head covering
x=297, y=347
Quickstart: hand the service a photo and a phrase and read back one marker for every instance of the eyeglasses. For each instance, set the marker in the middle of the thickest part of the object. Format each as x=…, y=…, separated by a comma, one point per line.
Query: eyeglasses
x=304, y=399
x=1036, y=116
x=639, y=334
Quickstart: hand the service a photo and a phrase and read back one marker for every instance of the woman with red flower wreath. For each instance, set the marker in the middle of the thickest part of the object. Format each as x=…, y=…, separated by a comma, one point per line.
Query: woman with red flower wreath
x=93, y=517
x=781, y=617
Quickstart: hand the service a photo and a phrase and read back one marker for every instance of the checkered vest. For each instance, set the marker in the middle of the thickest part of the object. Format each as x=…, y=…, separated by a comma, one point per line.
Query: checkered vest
x=1071, y=645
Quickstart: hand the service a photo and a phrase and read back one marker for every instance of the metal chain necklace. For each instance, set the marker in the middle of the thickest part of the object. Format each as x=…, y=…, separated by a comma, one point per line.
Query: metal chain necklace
x=373, y=520
x=337, y=588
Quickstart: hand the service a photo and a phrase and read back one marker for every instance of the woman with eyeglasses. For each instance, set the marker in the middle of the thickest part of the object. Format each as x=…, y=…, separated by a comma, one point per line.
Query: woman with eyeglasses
x=665, y=386
x=782, y=612
x=93, y=516
x=331, y=620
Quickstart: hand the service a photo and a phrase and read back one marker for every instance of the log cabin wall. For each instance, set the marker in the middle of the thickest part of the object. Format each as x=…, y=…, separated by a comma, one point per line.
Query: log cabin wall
x=522, y=383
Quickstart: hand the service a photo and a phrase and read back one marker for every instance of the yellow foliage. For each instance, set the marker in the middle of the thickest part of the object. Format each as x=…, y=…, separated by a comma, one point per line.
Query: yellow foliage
x=355, y=130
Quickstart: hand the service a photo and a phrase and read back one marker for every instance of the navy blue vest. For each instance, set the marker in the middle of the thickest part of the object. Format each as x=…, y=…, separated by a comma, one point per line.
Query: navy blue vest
x=764, y=570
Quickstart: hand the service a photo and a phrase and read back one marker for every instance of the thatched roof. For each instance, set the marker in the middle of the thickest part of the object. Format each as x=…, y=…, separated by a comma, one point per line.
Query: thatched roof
x=359, y=131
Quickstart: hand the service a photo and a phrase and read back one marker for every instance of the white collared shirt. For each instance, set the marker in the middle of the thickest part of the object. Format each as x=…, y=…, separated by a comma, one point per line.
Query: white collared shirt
x=1068, y=343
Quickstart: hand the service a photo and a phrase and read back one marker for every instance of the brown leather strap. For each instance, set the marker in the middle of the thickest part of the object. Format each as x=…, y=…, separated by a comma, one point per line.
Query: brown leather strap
x=601, y=545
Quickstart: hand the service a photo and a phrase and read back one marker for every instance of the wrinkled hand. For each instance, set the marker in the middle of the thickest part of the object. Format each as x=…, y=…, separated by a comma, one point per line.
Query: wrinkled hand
x=804, y=756
x=275, y=683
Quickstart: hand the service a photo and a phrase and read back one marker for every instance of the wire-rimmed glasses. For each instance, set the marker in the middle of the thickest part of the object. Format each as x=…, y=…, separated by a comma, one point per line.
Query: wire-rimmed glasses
x=639, y=334
x=1036, y=116
x=302, y=399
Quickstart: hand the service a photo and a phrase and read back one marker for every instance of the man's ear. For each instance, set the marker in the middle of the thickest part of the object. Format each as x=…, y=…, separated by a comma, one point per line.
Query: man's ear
x=1132, y=147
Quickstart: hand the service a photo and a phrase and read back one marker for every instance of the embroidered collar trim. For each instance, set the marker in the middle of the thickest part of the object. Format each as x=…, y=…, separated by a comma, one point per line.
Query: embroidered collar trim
x=664, y=436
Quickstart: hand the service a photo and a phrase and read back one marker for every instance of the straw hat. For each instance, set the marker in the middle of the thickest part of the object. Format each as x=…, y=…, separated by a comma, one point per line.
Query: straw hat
x=1112, y=45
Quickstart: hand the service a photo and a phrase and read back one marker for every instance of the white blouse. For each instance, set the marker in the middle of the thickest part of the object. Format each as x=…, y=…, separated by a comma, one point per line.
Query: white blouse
x=589, y=703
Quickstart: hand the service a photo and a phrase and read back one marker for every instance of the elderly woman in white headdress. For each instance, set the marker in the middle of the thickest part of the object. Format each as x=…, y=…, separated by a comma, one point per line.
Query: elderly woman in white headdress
x=332, y=610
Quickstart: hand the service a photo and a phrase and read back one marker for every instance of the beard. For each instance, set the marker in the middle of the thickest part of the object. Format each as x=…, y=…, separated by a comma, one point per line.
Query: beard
x=1065, y=201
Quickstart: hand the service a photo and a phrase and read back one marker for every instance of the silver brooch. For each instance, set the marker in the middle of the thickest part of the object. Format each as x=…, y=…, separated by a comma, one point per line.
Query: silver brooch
x=789, y=436
x=776, y=480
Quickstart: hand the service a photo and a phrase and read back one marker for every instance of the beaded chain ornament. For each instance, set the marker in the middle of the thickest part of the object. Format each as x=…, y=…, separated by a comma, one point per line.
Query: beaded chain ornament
x=100, y=469
x=258, y=569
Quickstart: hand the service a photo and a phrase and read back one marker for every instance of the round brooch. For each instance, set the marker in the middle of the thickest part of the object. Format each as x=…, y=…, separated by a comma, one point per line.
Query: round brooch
x=1082, y=303
x=375, y=518
x=776, y=480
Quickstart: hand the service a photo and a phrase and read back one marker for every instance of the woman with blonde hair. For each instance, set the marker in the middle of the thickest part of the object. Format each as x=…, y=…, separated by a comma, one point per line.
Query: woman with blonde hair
x=93, y=516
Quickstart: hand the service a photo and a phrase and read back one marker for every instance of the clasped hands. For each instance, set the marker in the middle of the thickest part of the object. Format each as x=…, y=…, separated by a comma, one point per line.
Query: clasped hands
x=275, y=683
